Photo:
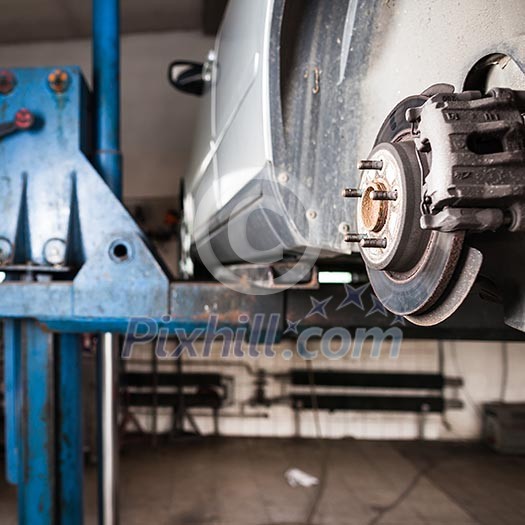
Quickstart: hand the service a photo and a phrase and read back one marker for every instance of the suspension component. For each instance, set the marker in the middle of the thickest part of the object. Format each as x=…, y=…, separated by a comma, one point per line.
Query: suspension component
x=445, y=165
x=477, y=149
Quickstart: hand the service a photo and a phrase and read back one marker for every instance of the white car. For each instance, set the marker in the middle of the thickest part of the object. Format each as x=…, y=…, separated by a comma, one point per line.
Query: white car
x=295, y=93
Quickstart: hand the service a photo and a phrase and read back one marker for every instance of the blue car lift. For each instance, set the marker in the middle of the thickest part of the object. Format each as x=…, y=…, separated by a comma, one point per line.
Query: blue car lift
x=61, y=173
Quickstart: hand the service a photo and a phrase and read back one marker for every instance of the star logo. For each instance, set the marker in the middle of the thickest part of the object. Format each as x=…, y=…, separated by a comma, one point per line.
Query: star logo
x=398, y=319
x=318, y=307
x=292, y=327
x=377, y=307
x=353, y=296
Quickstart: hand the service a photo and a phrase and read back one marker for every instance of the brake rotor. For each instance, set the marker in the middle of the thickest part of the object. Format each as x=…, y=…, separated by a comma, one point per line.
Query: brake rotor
x=410, y=269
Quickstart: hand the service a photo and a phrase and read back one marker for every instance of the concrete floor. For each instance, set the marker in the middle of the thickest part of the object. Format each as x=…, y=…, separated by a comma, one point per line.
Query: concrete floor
x=241, y=482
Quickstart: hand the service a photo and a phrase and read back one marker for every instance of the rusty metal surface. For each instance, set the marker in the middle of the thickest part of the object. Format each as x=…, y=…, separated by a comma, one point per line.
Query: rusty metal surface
x=459, y=288
x=477, y=146
x=409, y=289
x=195, y=302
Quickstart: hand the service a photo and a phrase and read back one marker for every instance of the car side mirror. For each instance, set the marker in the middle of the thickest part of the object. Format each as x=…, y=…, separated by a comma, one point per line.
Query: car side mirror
x=187, y=77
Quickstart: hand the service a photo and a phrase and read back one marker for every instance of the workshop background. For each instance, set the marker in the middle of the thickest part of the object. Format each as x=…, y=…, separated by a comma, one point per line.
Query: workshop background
x=158, y=125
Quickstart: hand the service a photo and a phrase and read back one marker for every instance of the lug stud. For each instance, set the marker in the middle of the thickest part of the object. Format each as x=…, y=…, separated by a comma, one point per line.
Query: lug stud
x=383, y=195
x=370, y=165
x=351, y=193
x=373, y=243
x=354, y=237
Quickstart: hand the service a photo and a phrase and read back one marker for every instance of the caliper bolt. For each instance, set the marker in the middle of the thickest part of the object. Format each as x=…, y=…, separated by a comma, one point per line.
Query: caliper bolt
x=354, y=237
x=351, y=193
x=373, y=243
x=58, y=80
x=383, y=195
x=7, y=81
x=370, y=165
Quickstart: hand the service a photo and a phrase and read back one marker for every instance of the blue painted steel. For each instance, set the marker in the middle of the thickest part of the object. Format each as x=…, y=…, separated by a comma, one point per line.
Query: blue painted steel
x=56, y=194
x=121, y=326
x=69, y=428
x=36, y=503
x=40, y=161
x=106, y=92
x=12, y=352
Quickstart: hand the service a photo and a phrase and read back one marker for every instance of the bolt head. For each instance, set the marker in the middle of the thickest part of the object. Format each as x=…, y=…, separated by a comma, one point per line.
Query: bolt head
x=58, y=80
x=344, y=228
x=6, y=250
x=7, y=81
x=283, y=177
x=55, y=252
x=24, y=119
x=311, y=214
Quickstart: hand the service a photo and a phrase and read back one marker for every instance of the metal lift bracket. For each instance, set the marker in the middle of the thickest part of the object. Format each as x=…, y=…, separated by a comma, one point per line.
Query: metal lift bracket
x=68, y=246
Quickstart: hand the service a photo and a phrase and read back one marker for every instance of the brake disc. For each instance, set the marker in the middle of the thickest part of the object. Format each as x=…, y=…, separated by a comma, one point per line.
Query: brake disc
x=410, y=269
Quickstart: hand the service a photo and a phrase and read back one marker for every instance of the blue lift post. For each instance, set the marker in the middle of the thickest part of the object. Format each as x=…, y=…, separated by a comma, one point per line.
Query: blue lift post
x=70, y=438
x=12, y=385
x=108, y=161
x=37, y=468
x=44, y=423
x=43, y=378
x=106, y=92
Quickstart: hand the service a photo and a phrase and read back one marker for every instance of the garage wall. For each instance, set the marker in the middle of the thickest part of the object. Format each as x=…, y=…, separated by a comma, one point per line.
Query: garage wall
x=481, y=366
x=157, y=122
